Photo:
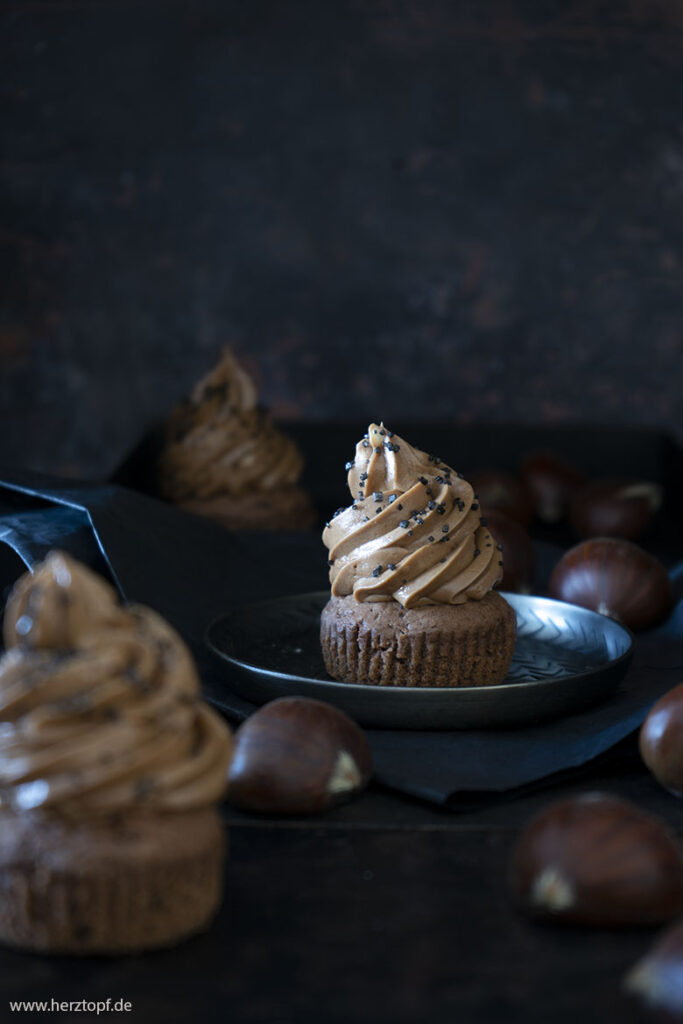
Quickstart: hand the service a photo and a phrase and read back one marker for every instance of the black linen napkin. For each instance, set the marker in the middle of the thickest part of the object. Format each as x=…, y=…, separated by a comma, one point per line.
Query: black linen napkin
x=191, y=570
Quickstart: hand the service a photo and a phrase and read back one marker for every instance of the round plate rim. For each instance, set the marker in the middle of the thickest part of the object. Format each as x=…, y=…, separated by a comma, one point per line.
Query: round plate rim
x=411, y=691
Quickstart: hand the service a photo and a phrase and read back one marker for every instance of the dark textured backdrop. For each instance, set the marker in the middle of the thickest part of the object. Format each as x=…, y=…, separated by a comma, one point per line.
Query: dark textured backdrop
x=432, y=209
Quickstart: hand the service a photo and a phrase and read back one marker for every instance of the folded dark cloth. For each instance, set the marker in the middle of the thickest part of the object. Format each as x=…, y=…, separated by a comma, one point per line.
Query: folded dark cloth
x=190, y=571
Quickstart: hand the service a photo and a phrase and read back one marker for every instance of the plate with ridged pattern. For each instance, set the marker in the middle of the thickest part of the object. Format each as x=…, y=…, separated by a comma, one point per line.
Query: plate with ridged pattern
x=566, y=658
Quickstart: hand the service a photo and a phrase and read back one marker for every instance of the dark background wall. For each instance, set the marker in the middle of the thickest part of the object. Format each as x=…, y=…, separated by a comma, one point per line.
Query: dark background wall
x=435, y=209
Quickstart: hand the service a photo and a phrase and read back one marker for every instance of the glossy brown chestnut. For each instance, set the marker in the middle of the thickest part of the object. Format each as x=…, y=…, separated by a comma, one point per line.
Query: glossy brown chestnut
x=502, y=492
x=658, y=978
x=519, y=560
x=661, y=740
x=551, y=482
x=296, y=755
x=614, y=508
x=616, y=578
x=597, y=860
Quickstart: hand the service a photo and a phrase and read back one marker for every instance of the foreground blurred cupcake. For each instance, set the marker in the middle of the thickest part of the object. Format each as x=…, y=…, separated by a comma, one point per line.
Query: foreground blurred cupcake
x=224, y=458
x=412, y=567
x=110, y=769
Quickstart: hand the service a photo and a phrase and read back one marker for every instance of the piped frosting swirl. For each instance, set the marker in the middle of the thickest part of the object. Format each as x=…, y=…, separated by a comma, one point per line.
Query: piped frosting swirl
x=100, y=710
x=414, y=533
x=220, y=442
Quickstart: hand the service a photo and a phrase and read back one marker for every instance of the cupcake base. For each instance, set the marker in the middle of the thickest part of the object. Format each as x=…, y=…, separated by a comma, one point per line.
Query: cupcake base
x=119, y=886
x=288, y=508
x=383, y=644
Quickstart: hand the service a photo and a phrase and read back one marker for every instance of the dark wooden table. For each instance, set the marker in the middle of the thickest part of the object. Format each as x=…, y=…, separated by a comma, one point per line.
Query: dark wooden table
x=388, y=909
x=383, y=910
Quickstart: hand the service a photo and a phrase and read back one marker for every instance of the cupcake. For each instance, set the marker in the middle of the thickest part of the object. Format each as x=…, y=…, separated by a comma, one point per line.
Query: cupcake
x=224, y=458
x=412, y=567
x=111, y=767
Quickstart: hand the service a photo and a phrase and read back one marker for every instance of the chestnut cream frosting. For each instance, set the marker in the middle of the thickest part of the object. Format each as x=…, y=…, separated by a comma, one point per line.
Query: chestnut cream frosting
x=100, y=710
x=414, y=533
x=219, y=442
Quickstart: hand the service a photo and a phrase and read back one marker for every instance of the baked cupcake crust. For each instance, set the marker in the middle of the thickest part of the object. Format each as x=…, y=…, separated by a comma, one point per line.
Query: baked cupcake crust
x=383, y=644
x=122, y=885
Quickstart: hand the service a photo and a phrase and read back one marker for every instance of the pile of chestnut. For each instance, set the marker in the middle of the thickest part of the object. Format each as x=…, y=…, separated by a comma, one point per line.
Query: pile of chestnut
x=593, y=860
x=606, y=571
x=600, y=861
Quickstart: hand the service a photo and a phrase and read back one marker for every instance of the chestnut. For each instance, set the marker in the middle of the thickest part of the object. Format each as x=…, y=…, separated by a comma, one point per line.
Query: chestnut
x=661, y=740
x=616, y=578
x=551, y=482
x=502, y=492
x=297, y=755
x=597, y=860
x=614, y=508
x=519, y=560
x=658, y=977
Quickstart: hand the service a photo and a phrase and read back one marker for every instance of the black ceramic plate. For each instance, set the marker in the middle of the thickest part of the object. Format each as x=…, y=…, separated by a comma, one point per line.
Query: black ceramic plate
x=566, y=658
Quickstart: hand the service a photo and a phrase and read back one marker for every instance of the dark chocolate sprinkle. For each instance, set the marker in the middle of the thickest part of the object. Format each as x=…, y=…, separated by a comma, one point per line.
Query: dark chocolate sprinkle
x=439, y=479
x=110, y=714
x=399, y=507
x=423, y=480
x=444, y=528
x=378, y=450
x=143, y=787
x=349, y=465
x=404, y=524
x=475, y=506
x=477, y=552
x=432, y=505
x=392, y=499
x=377, y=571
x=499, y=547
x=391, y=566
x=337, y=513
x=378, y=496
x=430, y=538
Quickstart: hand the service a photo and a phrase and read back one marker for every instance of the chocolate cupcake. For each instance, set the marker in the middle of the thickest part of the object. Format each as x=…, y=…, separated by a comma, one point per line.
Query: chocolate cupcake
x=412, y=567
x=110, y=769
x=224, y=458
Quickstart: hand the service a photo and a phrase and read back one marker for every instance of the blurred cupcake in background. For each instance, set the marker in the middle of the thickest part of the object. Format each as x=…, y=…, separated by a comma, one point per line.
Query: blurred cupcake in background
x=224, y=458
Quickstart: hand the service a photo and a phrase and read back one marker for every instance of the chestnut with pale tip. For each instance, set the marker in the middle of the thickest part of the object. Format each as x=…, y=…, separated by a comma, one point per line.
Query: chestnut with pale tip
x=551, y=482
x=616, y=578
x=657, y=979
x=297, y=755
x=597, y=860
x=614, y=508
x=661, y=740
